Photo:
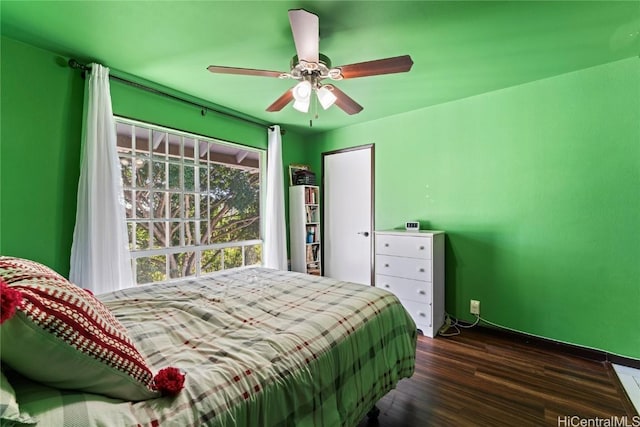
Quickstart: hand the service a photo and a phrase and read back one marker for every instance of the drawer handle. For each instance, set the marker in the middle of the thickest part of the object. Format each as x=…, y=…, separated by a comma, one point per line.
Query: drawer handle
x=386, y=285
x=421, y=292
x=422, y=314
x=386, y=245
x=386, y=265
x=421, y=248
x=421, y=270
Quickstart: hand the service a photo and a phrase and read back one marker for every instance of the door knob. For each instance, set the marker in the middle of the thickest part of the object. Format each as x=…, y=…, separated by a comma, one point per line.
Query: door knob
x=364, y=233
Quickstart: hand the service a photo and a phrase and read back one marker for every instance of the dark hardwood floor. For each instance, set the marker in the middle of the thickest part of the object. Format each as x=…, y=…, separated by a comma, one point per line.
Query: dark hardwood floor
x=479, y=378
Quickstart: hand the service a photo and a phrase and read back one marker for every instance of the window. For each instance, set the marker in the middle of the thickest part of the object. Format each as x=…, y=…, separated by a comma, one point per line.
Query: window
x=192, y=203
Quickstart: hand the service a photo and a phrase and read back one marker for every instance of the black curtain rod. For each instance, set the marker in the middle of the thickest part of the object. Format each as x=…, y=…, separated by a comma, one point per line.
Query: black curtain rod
x=203, y=109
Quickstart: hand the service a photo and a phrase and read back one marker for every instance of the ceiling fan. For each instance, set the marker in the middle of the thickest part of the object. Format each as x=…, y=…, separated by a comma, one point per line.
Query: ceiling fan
x=310, y=68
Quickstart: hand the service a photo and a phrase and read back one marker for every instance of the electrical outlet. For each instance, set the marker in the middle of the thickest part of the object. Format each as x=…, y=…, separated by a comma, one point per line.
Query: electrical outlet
x=474, y=307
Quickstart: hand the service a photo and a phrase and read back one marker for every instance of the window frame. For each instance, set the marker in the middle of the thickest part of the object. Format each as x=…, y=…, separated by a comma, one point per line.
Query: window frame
x=196, y=191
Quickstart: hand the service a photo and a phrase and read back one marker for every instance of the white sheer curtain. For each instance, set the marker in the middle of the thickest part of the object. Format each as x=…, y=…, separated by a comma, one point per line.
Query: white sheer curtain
x=100, y=259
x=275, y=238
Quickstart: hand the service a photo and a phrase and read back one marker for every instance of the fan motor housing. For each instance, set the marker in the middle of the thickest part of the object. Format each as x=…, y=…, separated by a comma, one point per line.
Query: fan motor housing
x=320, y=69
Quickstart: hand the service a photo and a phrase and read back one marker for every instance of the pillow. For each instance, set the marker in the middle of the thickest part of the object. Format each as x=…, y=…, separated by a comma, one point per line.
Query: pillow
x=16, y=269
x=66, y=338
x=9, y=410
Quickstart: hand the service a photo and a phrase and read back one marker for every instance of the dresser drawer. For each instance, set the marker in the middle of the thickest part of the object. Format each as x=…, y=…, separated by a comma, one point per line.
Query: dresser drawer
x=421, y=314
x=407, y=246
x=410, y=268
x=405, y=289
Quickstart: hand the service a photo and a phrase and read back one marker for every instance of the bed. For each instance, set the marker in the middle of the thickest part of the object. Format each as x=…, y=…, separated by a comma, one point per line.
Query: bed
x=258, y=347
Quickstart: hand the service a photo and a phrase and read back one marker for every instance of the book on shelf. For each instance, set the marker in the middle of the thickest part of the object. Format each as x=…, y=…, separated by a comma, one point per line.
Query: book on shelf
x=312, y=214
x=311, y=196
x=312, y=234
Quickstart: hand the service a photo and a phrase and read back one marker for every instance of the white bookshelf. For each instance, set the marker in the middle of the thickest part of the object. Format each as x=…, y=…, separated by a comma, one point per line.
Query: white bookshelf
x=304, y=229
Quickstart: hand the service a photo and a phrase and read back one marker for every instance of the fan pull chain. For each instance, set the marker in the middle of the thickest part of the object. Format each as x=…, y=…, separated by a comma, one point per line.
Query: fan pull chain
x=315, y=106
x=315, y=111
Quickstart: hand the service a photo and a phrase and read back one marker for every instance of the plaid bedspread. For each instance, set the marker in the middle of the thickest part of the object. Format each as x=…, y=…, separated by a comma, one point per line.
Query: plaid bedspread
x=260, y=347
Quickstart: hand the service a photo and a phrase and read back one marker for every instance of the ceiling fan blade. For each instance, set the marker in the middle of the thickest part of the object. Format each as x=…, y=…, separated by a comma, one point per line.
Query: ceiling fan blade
x=397, y=64
x=281, y=102
x=243, y=71
x=344, y=101
x=306, y=34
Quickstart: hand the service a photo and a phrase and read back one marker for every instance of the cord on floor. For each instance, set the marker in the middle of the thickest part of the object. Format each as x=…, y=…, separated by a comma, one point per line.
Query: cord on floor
x=452, y=322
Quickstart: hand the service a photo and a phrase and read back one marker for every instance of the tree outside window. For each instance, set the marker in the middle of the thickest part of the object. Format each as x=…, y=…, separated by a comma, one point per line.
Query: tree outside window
x=192, y=203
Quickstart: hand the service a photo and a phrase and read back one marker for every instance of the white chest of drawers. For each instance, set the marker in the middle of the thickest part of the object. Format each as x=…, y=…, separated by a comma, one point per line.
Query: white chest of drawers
x=411, y=265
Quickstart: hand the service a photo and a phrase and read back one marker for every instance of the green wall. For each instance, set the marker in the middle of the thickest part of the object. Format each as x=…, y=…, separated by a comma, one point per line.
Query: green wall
x=536, y=186
x=538, y=189
x=41, y=116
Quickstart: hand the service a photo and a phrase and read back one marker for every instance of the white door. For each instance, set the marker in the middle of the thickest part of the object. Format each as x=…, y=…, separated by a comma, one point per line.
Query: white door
x=348, y=214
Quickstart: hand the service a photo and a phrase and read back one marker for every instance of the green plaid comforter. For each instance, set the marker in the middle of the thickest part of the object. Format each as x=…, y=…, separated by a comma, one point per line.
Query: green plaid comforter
x=260, y=348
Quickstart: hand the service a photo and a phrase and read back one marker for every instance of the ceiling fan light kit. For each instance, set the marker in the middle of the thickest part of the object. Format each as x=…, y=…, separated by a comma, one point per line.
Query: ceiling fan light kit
x=310, y=67
x=326, y=97
x=302, y=96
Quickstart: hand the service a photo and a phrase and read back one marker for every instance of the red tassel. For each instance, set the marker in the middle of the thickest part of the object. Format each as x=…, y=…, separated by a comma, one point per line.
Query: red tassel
x=10, y=299
x=169, y=381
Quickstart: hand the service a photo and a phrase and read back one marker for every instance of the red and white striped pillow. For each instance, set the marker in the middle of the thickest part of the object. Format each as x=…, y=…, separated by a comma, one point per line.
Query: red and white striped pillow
x=62, y=336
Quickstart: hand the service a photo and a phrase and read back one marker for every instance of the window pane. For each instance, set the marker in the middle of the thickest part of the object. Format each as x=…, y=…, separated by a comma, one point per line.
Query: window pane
x=159, y=234
x=175, y=205
x=182, y=265
x=189, y=178
x=143, y=207
x=159, y=144
x=141, y=140
x=253, y=255
x=204, y=233
x=233, y=257
x=190, y=233
x=174, y=176
x=126, y=170
x=175, y=233
x=159, y=175
x=204, y=175
x=159, y=206
x=151, y=269
x=142, y=235
x=189, y=144
x=210, y=261
x=128, y=203
x=130, y=232
x=204, y=206
x=189, y=206
x=123, y=134
x=142, y=172
x=174, y=145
